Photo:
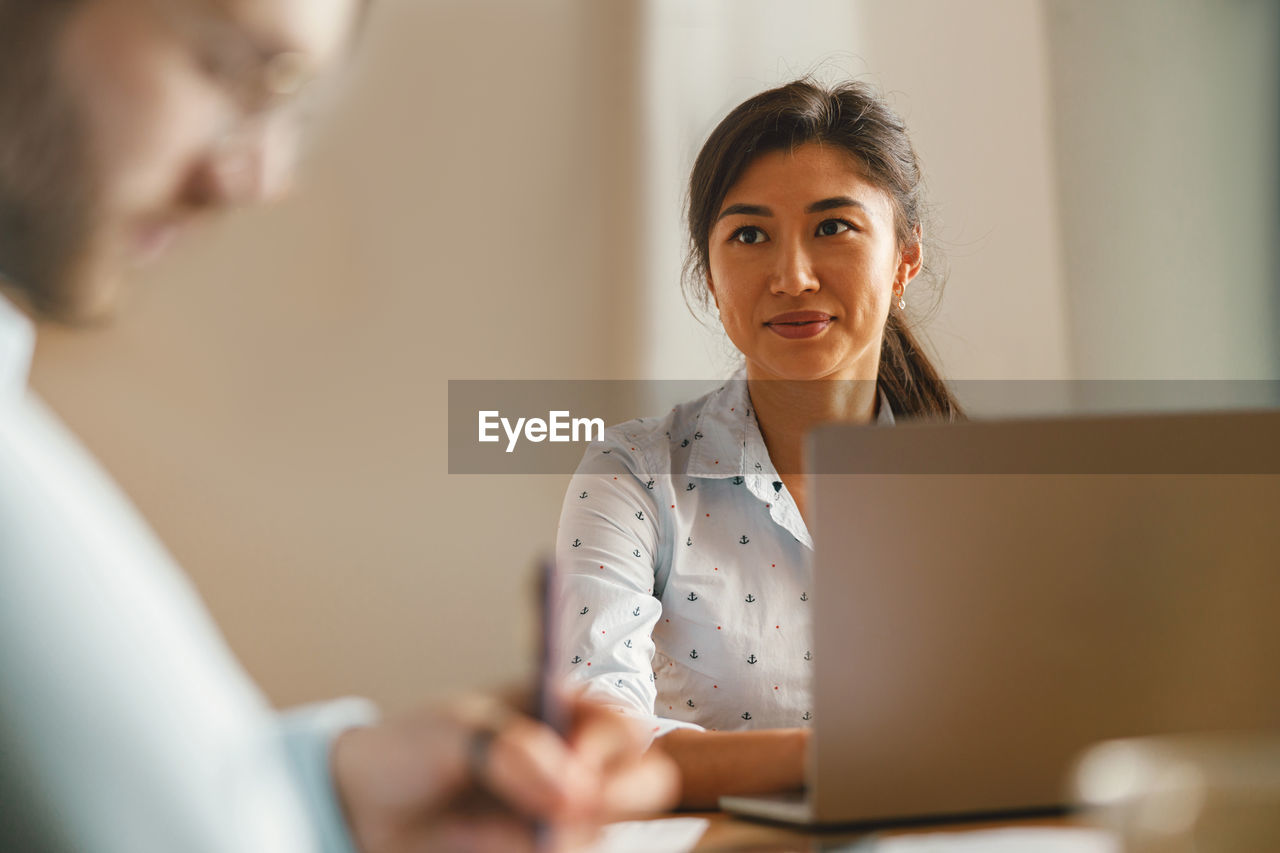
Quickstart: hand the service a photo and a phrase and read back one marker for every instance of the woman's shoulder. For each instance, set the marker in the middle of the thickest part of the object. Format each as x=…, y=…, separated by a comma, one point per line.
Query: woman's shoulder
x=655, y=445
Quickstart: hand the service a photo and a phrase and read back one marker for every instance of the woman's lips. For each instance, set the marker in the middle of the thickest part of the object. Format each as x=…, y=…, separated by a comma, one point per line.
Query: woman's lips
x=799, y=324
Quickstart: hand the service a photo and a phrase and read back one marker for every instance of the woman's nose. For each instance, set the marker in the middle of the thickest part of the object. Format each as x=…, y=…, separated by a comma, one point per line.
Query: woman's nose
x=795, y=273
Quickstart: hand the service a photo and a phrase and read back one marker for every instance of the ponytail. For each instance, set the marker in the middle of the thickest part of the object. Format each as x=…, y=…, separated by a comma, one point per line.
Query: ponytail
x=909, y=380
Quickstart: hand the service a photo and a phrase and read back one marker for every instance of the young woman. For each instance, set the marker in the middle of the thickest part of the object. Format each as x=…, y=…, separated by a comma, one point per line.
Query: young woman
x=683, y=553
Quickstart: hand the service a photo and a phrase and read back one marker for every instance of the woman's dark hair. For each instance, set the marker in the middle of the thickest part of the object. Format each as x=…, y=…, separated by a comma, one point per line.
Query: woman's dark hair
x=853, y=117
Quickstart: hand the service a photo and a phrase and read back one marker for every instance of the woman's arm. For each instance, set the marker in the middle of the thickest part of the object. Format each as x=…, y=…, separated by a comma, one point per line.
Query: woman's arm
x=607, y=560
x=606, y=552
x=755, y=762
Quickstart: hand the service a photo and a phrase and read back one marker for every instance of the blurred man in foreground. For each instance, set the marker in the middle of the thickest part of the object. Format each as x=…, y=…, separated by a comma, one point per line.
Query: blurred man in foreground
x=125, y=723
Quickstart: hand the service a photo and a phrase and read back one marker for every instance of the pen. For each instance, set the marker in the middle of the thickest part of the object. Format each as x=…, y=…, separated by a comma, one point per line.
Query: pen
x=549, y=702
x=548, y=699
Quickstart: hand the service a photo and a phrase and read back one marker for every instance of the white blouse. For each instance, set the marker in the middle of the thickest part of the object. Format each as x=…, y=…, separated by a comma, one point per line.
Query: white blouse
x=683, y=586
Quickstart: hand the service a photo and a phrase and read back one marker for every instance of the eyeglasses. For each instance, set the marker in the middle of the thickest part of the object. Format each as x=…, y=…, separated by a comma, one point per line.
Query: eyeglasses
x=259, y=80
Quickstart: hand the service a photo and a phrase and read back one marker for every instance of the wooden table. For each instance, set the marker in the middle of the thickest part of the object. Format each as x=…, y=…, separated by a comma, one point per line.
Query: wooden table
x=729, y=833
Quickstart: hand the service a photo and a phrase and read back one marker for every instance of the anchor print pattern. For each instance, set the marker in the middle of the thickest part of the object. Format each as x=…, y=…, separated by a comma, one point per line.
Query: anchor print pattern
x=679, y=523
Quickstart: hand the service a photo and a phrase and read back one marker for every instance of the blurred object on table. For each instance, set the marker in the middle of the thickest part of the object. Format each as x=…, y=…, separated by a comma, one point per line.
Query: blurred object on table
x=1185, y=793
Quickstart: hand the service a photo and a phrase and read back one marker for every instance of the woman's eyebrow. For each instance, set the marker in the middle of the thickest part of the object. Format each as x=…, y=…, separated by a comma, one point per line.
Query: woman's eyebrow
x=744, y=210
x=817, y=207
x=834, y=202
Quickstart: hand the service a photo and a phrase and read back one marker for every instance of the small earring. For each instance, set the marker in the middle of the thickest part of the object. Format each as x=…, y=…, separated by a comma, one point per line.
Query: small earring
x=902, y=299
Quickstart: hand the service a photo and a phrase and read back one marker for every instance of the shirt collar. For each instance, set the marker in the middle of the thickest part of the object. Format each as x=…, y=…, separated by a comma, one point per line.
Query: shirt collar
x=884, y=415
x=727, y=439
x=723, y=432
x=17, y=343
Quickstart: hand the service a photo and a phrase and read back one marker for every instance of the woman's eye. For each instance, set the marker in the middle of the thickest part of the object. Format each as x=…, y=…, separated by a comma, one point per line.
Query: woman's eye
x=750, y=235
x=832, y=227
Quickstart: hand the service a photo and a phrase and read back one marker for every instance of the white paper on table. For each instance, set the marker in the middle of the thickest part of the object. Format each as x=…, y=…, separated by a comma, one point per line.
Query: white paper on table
x=1010, y=840
x=675, y=834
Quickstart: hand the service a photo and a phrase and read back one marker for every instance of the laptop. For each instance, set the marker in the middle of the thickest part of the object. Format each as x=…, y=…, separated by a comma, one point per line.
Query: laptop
x=993, y=597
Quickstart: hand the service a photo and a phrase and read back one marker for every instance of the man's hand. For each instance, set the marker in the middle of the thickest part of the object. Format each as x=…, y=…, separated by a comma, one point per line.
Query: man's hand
x=478, y=775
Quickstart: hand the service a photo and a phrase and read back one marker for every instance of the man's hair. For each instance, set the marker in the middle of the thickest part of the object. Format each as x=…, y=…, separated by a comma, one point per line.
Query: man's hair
x=45, y=189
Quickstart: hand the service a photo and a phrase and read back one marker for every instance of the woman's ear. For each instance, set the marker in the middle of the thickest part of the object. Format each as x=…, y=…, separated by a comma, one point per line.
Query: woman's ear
x=911, y=260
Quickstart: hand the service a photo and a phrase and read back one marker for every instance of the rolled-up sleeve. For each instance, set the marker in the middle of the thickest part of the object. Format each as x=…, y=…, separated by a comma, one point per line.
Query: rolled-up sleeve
x=307, y=733
x=607, y=558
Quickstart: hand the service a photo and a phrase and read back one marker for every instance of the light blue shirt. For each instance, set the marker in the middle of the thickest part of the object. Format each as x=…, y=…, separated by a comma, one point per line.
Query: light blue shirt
x=684, y=579
x=126, y=724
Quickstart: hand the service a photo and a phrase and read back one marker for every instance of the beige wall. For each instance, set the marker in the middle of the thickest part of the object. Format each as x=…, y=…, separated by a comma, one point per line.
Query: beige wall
x=488, y=202
x=1167, y=120
x=972, y=82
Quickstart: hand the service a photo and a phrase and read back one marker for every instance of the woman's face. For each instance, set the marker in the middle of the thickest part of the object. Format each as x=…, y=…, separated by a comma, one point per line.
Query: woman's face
x=804, y=263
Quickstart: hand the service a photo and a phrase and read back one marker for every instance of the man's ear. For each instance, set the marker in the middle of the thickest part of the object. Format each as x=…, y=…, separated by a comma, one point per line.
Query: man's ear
x=911, y=260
